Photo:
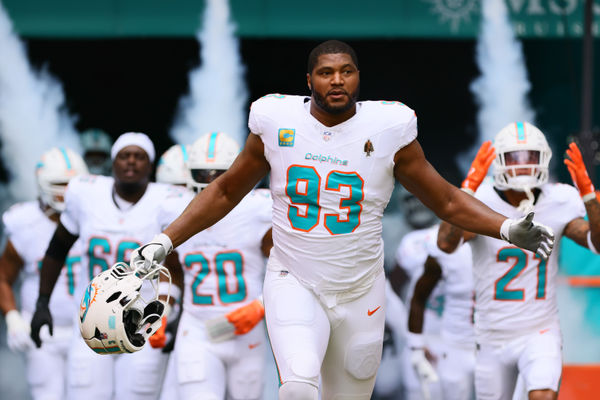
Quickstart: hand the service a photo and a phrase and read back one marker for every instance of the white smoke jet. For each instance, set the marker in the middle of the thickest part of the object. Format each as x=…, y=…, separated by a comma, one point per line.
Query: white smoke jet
x=501, y=91
x=32, y=115
x=218, y=93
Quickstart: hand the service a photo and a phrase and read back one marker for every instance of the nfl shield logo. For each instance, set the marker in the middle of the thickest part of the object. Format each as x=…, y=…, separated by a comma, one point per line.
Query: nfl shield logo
x=327, y=135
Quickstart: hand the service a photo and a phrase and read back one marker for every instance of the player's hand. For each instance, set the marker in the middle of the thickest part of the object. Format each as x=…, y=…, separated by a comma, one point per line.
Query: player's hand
x=529, y=235
x=579, y=174
x=155, y=252
x=159, y=339
x=424, y=370
x=41, y=317
x=479, y=167
x=246, y=317
x=18, y=332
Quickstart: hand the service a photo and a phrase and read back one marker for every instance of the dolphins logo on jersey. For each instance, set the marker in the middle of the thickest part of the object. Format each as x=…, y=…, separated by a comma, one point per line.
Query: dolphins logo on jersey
x=88, y=299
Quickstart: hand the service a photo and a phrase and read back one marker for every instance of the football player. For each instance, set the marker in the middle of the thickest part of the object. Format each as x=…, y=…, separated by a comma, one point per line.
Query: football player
x=332, y=162
x=29, y=227
x=96, y=146
x=111, y=216
x=223, y=274
x=516, y=316
x=450, y=275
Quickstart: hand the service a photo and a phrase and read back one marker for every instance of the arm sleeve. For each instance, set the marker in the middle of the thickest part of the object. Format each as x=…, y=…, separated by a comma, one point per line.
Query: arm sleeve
x=69, y=218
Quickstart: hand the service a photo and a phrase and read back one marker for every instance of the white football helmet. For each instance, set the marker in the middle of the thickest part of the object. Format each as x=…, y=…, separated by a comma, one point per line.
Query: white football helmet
x=522, y=157
x=210, y=156
x=96, y=146
x=172, y=166
x=54, y=170
x=113, y=316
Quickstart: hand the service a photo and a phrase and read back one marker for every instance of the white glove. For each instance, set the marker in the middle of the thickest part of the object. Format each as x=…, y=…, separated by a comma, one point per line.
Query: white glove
x=155, y=252
x=529, y=235
x=18, y=332
x=425, y=371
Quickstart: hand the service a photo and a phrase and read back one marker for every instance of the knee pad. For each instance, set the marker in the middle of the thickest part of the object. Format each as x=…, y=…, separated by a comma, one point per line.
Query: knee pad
x=298, y=391
x=306, y=366
x=363, y=356
x=193, y=370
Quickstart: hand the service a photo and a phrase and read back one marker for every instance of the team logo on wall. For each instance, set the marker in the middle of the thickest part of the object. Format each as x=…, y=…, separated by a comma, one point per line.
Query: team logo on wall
x=327, y=136
x=286, y=137
x=453, y=11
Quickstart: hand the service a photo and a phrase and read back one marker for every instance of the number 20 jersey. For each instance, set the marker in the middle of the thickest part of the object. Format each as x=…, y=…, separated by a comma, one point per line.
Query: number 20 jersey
x=330, y=186
x=515, y=290
x=223, y=265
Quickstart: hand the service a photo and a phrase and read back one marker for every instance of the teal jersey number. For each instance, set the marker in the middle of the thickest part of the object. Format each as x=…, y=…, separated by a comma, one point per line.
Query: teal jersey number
x=240, y=292
x=303, y=188
x=189, y=261
x=220, y=262
x=101, y=262
x=95, y=261
x=520, y=263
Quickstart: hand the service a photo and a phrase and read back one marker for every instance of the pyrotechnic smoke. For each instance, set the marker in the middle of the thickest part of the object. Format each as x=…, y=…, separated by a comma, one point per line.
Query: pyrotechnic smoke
x=501, y=91
x=32, y=115
x=218, y=94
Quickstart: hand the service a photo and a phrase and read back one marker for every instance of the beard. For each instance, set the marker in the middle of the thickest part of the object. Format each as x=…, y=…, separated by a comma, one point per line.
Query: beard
x=335, y=110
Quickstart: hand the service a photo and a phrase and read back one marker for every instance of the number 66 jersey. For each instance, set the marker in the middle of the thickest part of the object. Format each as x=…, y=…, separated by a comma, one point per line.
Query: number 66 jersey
x=515, y=290
x=330, y=186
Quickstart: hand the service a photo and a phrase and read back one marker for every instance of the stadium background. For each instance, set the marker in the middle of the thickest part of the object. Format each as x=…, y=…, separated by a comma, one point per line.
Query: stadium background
x=124, y=65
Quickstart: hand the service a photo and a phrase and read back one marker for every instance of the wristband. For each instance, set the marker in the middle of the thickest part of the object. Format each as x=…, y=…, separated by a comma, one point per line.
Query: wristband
x=42, y=301
x=173, y=291
x=468, y=190
x=588, y=197
x=415, y=340
x=504, y=229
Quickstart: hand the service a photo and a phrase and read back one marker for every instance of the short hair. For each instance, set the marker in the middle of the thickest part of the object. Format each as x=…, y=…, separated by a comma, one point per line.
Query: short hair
x=330, y=47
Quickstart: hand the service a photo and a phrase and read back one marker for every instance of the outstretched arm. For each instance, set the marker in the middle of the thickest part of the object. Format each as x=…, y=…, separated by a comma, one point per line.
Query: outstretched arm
x=449, y=203
x=222, y=195
x=463, y=210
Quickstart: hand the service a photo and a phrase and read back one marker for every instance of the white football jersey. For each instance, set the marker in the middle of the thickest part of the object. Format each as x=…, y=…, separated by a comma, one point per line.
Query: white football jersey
x=30, y=231
x=411, y=256
x=456, y=285
x=515, y=289
x=330, y=186
x=223, y=265
x=109, y=235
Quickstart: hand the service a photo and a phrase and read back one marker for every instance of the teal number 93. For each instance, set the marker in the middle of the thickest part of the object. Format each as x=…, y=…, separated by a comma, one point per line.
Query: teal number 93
x=303, y=188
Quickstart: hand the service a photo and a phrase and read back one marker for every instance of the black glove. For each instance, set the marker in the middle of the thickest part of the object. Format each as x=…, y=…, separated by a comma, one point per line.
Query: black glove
x=40, y=318
x=171, y=332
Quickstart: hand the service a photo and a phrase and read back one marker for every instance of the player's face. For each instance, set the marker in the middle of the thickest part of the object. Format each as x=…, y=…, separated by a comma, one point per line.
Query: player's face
x=521, y=157
x=132, y=165
x=334, y=83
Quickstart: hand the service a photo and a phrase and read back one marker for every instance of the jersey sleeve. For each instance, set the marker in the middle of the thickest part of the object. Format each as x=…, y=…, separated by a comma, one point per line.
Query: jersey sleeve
x=73, y=197
x=13, y=227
